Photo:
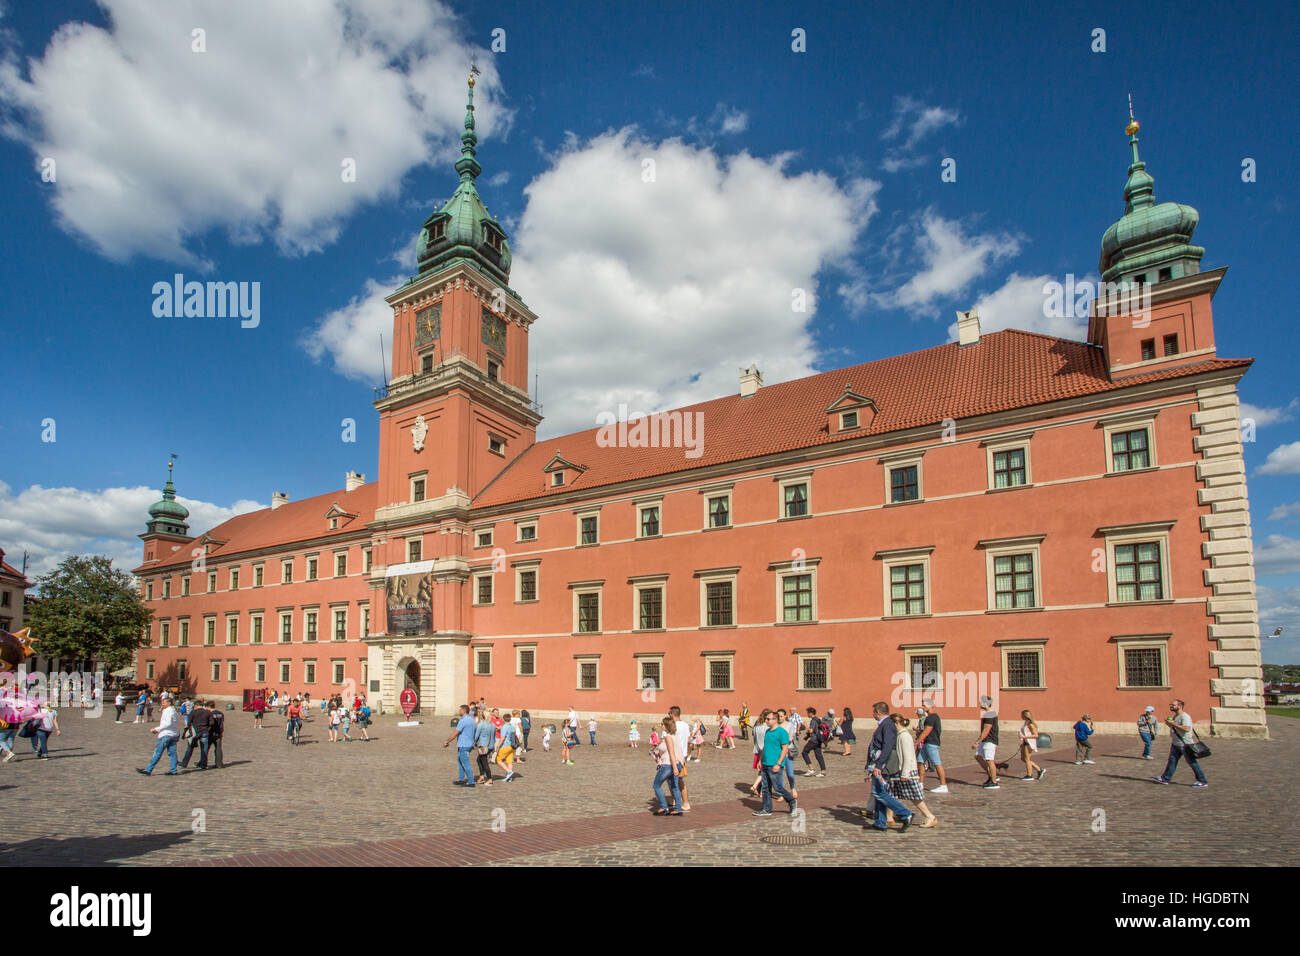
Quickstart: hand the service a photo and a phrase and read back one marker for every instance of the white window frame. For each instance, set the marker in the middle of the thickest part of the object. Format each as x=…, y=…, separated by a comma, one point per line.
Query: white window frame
x=787, y=569
x=922, y=650
x=802, y=478
x=642, y=506
x=148, y=670
x=309, y=676
x=893, y=464
x=718, y=577
x=338, y=671
x=334, y=610
x=710, y=494
x=209, y=630
x=520, y=568
x=234, y=578
x=597, y=589
x=522, y=523
x=489, y=530
x=1157, y=531
x=232, y=619
x=285, y=672
x=365, y=619
x=312, y=572
x=1038, y=647
x=519, y=649
x=577, y=517
x=476, y=650
x=256, y=627
x=646, y=582
x=993, y=448
x=1142, y=642
x=578, y=661
x=813, y=653
x=259, y=672
x=414, y=539
x=279, y=634
x=892, y=559
x=476, y=577
x=215, y=672
x=259, y=574
x=1005, y=547
x=845, y=425
x=286, y=563
x=1131, y=423
x=420, y=476
x=232, y=671
x=711, y=656
x=344, y=555
x=641, y=661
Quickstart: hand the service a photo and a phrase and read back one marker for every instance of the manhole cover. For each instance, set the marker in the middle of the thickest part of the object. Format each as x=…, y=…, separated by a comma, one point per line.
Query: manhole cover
x=788, y=839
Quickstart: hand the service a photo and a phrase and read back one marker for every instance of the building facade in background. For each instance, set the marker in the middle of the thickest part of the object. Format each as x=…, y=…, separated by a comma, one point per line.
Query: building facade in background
x=1062, y=525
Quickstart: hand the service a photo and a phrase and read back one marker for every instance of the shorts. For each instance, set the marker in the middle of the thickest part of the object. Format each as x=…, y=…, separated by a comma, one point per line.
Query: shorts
x=930, y=752
x=1032, y=742
x=505, y=754
x=987, y=750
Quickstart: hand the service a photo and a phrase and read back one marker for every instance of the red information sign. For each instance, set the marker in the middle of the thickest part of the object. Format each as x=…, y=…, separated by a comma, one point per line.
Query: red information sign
x=408, y=700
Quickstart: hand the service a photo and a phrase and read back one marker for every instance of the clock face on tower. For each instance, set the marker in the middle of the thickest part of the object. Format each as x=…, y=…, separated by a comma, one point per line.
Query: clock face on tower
x=428, y=325
x=494, y=331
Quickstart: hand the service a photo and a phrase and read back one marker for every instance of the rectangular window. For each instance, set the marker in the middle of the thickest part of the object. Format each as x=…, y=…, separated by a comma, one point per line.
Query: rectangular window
x=340, y=625
x=719, y=673
x=413, y=550
x=528, y=532
x=1171, y=344
x=483, y=590
x=848, y=420
x=426, y=363
x=718, y=603
x=338, y=672
x=1023, y=669
x=148, y=591
x=185, y=634
x=148, y=670
x=286, y=572
x=652, y=677
x=482, y=662
x=796, y=598
x=1129, y=450
x=557, y=478
x=1009, y=468
x=182, y=670
x=796, y=500
x=906, y=589
x=259, y=671
x=1138, y=572
x=365, y=620
x=904, y=483
x=232, y=671
x=310, y=620
x=185, y=586
x=528, y=585
x=588, y=612
x=210, y=631
x=1148, y=349
x=1013, y=581
x=1143, y=667
x=588, y=675
x=366, y=559
x=650, y=608
x=234, y=579
x=589, y=525
x=417, y=489
x=311, y=569
x=496, y=446
x=483, y=539
x=527, y=662
x=650, y=521
x=257, y=575
x=341, y=565
x=212, y=582
x=923, y=671
x=815, y=676
x=720, y=511
x=164, y=629
x=309, y=672
x=257, y=629
x=284, y=672
x=286, y=628
x=216, y=671
x=232, y=630
x=167, y=587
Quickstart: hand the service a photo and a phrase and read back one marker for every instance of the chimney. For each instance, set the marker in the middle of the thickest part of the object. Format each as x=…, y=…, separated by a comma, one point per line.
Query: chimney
x=278, y=498
x=354, y=480
x=968, y=327
x=751, y=379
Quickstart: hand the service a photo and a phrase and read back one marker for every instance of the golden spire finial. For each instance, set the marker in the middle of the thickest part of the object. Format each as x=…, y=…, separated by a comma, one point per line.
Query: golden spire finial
x=1132, y=127
x=473, y=69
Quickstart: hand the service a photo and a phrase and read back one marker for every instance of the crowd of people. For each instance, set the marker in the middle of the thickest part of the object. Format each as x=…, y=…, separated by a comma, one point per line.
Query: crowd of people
x=497, y=740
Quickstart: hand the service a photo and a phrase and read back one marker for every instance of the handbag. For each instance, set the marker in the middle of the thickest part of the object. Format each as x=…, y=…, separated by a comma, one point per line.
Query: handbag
x=1195, y=749
x=29, y=729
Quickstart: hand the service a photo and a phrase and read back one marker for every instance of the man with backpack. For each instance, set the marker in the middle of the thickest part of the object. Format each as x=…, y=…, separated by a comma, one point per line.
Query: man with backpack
x=819, y=731
x=200, y=727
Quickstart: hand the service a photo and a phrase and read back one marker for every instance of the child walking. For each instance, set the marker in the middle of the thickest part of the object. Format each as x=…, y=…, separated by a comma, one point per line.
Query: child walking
x=570, y=741
x=633, y=735
x=546, y=738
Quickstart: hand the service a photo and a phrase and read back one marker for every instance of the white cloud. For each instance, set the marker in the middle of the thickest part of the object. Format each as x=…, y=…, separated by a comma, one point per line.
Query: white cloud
x=950, y=259
x=350, y=335
x=1020, y=304
x=1268, y=416
x=157, y=145
x=1285, y=512
x=919, y=120
x=1283, y=460
x=1277, y=555
x=53, y=523
x=654, y=293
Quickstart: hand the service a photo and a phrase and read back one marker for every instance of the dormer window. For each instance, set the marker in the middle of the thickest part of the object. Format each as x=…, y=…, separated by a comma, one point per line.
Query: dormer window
x=493, y=239
x=848, y=420
x=557, y=479
x=334, y=524
x=496, y=446
x=437, y=230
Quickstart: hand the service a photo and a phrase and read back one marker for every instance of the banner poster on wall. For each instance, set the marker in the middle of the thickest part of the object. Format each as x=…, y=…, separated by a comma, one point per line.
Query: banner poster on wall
x=409, y=598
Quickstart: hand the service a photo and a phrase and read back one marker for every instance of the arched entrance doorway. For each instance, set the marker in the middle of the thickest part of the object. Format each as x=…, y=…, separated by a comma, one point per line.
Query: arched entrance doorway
x=411, y=679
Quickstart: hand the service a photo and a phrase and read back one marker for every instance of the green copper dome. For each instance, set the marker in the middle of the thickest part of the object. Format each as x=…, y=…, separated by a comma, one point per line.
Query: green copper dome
x=463, y=228
x=168, y=516
x=1151, y=242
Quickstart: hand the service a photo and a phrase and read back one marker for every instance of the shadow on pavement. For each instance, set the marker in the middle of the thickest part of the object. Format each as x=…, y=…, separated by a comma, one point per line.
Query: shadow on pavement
x=86, y=851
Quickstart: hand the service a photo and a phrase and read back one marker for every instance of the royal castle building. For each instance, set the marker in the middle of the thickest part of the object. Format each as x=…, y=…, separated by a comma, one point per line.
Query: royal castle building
x=1063, y=525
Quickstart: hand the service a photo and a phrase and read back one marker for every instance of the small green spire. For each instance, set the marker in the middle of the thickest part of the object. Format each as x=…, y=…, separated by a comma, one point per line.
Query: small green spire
x=467, y=165
x=1140, y=189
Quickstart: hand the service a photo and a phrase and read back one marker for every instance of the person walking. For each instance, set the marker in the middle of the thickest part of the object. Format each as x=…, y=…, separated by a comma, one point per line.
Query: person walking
x=1181, y=735
x=760, y=731
x=200, y=729
x=775, y=755
x=790, y=720
x=335, y=719
x=682, y=730
x=506, y=752
x=1029, y=747
x=847, y=737
x=570, y=741
x=119, y=702
x=1083, y=729
x=664, y=752
x=485, y=741
x=1148, y=727
x=906, y=784
x=525, y=724
x=986, y=747
x=168, y=732
x=697, y=740
x=363, y=720
x=744, y=720
x=814, y=737
x=591, y=729
x=633, y=735
x=139, y=706
x=259, y=711
x=464, y=737
x=884, y=745
x=8, y=735
x=47, y=722
x=216, y=733
x=345, y=721
x=573, y=723
x=148, y=707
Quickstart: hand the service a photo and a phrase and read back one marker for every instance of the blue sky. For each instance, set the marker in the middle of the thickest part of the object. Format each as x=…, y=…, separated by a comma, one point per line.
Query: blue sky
x=817, y=170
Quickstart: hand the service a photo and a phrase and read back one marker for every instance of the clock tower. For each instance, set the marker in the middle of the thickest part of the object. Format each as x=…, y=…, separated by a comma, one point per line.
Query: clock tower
x=455, y=412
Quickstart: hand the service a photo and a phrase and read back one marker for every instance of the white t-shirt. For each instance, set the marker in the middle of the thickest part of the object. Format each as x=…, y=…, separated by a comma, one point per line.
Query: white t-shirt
x=573, y=719
x=119, y=700
x=683, y=739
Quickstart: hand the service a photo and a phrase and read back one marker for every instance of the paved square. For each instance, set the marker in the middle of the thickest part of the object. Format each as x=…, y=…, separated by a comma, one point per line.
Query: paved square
x=392, y=801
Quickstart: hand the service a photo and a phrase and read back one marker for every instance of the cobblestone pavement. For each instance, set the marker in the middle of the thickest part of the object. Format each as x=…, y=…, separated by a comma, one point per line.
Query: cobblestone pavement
x=391, y=801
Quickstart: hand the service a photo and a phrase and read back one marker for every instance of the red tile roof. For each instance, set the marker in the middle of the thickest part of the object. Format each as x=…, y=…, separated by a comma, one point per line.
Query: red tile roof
x=294, y=521
x=1005, y=370
x=6, y=570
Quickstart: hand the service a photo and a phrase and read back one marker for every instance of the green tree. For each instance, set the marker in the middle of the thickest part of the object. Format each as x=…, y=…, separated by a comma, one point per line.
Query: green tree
x=89, y=609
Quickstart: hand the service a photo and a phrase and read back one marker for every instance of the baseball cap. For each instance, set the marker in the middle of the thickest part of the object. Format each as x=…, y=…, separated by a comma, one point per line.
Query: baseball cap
x=1149, y=710
x=1087, y=717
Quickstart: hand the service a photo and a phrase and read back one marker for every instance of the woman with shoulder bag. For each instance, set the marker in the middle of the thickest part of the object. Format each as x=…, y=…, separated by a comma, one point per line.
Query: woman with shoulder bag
x=906, y=784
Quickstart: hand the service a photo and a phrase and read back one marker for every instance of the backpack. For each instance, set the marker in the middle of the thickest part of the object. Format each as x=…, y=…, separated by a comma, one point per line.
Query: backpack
x=823, y=730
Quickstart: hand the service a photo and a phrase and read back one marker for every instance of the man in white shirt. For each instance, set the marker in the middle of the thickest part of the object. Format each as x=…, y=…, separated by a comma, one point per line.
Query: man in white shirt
x=168, y=731
x=683, y=736
x=1182, y=734
x=573, y=722
x=119, y=702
